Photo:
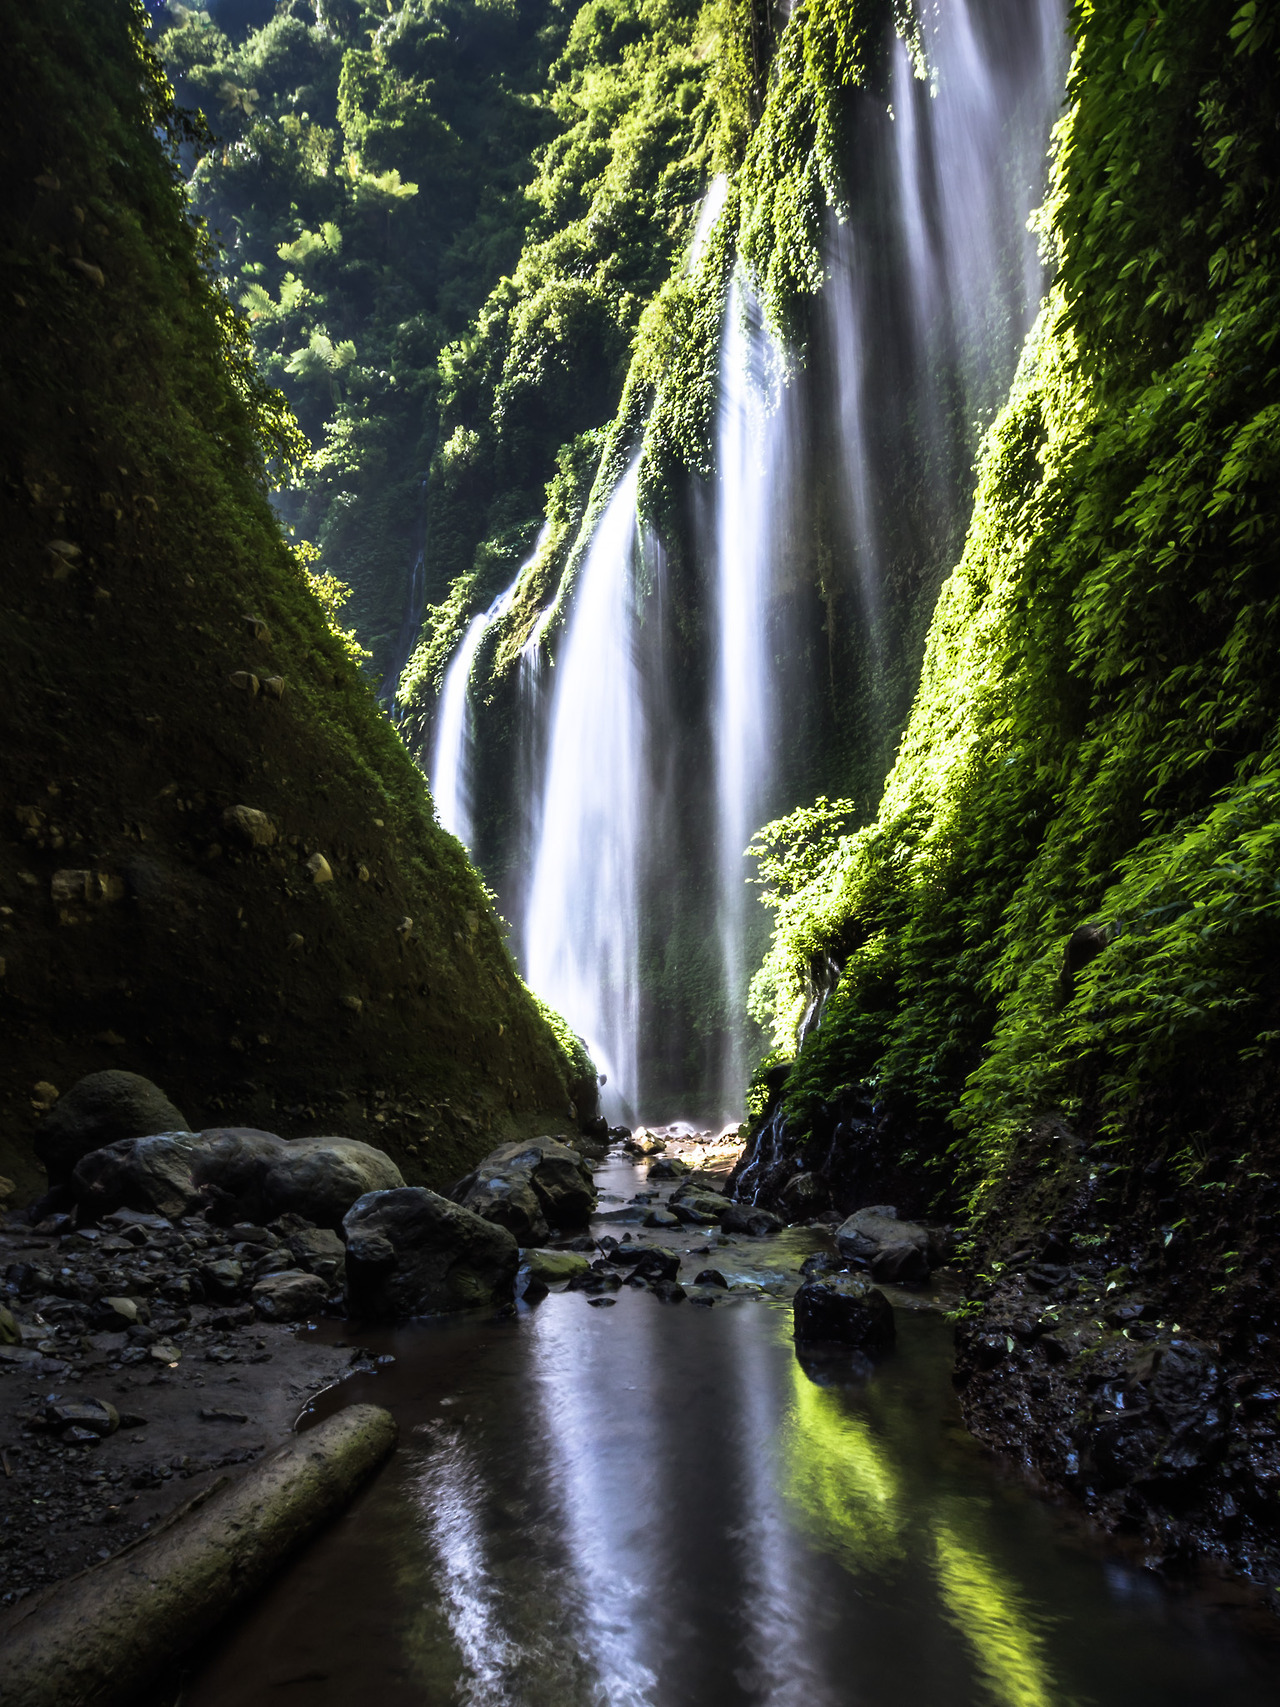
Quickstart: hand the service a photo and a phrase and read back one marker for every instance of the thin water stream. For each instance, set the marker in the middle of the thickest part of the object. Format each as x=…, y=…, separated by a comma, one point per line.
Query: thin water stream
x=648, y=1505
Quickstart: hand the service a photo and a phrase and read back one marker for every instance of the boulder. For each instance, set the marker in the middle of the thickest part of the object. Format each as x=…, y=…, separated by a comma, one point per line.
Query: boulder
x=411, y=1252
x=845, y=1308
x=747, y=1218
x=553, y=1267
x=893, y=1250
x=530, y=1188
x=101, y=1109
x=649, y=1262
x=805, y=1195
x=240, y=1173
x=289, y=1296
x=698, y=1208
x=320, y=1251
x=668, y=1167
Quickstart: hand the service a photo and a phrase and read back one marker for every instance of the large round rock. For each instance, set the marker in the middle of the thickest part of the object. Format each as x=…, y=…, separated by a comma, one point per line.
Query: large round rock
x=101, y=1109
x=529, y=1188
x=893, y=1250
x=241, y=1173
x=413, y=1253
x=845, y=1308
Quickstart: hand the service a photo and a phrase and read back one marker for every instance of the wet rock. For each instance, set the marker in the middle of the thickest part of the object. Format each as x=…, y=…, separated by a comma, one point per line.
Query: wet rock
x=595, y=1280
x=553, y=1267
x=243, y=1172
x=668, y=1291
x=289, y=1296
x=668, y=1167
x=321, y=1252
x=530, y=1188
x=804, y=1196
x=98, y=1110
x=893, y=1250
x=411, y=1252
x=10, y=1332
x=94, y=1415
x=222, y=1280
x=846, y=1308
x=710, y=1277
x=649, y=1262
x=747, y=1218
x=820, y=1262
x=698, y=1208
x=659, y=1217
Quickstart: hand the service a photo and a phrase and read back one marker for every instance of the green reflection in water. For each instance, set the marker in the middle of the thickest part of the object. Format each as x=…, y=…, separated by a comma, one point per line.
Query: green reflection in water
x=997, y=1624
x=841, y=1478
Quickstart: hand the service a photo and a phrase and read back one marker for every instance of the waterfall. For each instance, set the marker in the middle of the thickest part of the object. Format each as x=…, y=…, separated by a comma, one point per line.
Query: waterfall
x=681, y=708
x=455, y=724
x=750, y=449
x=582, y=924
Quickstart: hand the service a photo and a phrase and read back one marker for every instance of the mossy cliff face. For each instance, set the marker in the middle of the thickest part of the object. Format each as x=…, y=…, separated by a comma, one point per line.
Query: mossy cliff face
x=166, y=663
x=1058, y=938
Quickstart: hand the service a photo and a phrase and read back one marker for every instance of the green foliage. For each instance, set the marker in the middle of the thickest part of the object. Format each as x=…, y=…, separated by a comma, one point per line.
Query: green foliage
x=368, y=183
x=545, y=365
x=138, y=428
x=1095, y=736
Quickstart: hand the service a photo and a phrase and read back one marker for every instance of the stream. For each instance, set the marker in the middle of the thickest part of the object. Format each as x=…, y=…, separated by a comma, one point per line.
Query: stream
x=640, y=1504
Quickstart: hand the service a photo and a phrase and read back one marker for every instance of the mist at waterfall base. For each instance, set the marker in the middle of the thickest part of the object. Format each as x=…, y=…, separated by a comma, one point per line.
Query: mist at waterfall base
x=704, y=683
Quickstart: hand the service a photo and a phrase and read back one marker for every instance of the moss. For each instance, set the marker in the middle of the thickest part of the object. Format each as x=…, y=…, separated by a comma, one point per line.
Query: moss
x=147, y=578
x=1094, y=735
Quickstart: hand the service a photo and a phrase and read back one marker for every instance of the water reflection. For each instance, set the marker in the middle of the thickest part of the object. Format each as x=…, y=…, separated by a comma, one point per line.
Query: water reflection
x=649, y=1506
x=996, y=1622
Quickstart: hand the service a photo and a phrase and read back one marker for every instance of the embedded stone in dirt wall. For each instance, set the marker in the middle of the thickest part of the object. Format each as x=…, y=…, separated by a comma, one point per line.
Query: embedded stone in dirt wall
x=102, y=1109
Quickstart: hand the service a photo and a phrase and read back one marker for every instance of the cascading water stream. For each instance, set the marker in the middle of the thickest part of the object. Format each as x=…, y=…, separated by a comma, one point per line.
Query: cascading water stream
x=750, y=449
x=453, y=755
x=581, y=937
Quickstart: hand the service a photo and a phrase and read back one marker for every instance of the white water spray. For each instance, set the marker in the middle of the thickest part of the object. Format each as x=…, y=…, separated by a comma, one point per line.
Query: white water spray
x=581, y=939
x=454, y=754
x=748, y=506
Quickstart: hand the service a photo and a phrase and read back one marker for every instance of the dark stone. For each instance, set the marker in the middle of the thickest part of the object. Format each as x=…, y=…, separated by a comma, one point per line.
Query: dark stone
x=99, y=1110
x=746, y=1218
x=530, y=1188
x=820, y=1262
x=805, y=1195
x=668, y=1167
x=411, y=1252
x=847, y=1308
x=1084, y=945
x=710, y=1277
x=257, y=1175
x=290, y=1296
x=650, y=1262
x=893, y=1250
x=223, y=1279
x=668, y=1291
x=660, y=1217
x=95, y=1415
x=699, y=1208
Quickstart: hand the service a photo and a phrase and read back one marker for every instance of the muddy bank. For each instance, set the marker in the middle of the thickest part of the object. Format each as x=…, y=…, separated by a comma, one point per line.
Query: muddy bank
x=107, y=1429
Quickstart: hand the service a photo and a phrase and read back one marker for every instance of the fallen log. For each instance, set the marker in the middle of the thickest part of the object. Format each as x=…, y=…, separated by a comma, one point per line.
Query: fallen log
x=97, y=1639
